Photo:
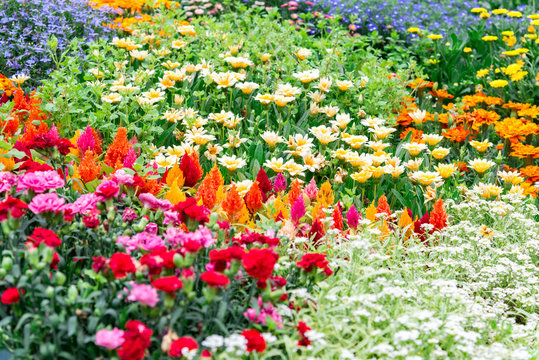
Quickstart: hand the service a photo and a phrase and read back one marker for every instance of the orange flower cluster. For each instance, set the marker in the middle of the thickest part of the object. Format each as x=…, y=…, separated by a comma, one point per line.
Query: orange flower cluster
x=456, y=135
x=6, y=85
x=482, y=117
x=524, y=151
x=471, y=101
x=514, y=128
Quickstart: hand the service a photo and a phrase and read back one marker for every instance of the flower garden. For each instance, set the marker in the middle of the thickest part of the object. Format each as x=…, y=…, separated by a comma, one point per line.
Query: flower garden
x=321, y=179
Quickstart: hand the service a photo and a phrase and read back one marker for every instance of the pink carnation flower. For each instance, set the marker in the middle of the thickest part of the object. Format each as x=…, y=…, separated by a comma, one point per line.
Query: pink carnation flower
x=46, y=202
x=111, y=339
x=7, y=180
x=153, y=203
x=144, y=294
x=121, y=177
x=40, y=181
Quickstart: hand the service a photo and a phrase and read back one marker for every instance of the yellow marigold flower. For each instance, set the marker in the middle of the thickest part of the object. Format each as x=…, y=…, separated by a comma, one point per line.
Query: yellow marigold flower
x=514, y=14
x=484, y=15
x=435, y=36
x=508, y=33
x=433, y=61
x=518, y=76
x=482, y=73
x=445, y=170
x=478, y=10
x=481, y=146
x=467, y=50
x=533, y=16
x=413, y=30
x=481, y=165
x=489, y=38
x=499, y=11
x=498, y=83
x=440, y=153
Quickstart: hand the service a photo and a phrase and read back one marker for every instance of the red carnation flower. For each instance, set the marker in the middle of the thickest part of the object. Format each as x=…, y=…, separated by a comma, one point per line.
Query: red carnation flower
x=121, y=264
x=168, y=284
x=255, y=341
x=136, y=340
x=99, y=263
x=12, y=207
x=185, y=342
x=12, y=295
x=302, y=329
x=214, y=279
x=41, y=235
x=309, y=261
x=259, y=263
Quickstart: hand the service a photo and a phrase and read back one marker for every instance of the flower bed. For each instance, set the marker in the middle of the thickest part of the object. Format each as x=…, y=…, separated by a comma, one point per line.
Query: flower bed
x=235, y=188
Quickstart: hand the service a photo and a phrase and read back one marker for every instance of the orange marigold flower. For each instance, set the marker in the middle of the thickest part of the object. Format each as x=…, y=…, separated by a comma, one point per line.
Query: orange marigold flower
x=457, y=134
x=531, y=112
x=6, y=85
x=531, y=172
x=515, y=106
x=232, y=204
x=89, y=168
x=512, y=127
x=253, y=198
x=417, y=135
x=419, y=83
x=441, y=94
x=529, y=189
x=483, y=117
x=523, y=151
